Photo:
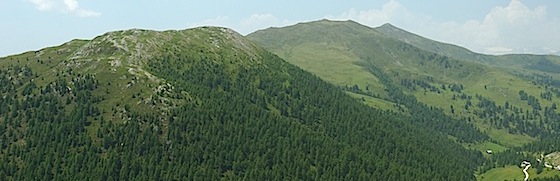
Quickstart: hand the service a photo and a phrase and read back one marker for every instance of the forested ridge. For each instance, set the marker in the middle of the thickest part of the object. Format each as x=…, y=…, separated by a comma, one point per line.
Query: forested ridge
x=238, y=112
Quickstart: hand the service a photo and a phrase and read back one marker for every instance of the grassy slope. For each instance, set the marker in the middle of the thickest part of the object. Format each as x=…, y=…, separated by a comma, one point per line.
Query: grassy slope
x=320, y=54
x=501, y=85
x=483, y=147
x=515, y=173
x=492, y=77
x=374, y=102
x=514, y=62
x=431, y=45
x=335, y=50
x=334, y=64
x=506, y=173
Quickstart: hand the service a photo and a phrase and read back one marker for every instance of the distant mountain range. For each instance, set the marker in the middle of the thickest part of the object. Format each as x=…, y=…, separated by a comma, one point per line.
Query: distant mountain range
x=323, y=100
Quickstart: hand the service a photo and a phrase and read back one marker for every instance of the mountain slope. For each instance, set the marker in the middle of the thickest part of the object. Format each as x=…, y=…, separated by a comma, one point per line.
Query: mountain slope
x=511, y=99
x=335, y=62
x=360, y=45
x=384, y=60
x=202, y=103
x=539, y=70
x=432, y=46
x=406, y=75
x=525, y=63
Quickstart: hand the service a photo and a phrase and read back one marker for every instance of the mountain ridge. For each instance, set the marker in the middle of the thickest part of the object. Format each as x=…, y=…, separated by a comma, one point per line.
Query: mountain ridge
x=505, y=61
x=209, y=103
x=424, y=43
x=203, y=103
x=447, y=83
x=405, y=64
x=372, y=60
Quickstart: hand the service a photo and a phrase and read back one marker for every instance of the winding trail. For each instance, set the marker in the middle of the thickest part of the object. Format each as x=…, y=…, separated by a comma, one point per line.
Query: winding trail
x=525, y=172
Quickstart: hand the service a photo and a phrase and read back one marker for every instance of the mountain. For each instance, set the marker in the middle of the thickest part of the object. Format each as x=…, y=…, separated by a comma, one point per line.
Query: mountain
x=484, y=102
x=431, y=45
x=360, y=59
x=341, y=43
x=514, y=62
x=366, y=61
x=202, y=103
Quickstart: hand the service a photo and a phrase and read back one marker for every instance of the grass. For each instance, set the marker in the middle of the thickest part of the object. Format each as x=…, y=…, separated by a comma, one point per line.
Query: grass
x=334, y=64
x=500, y=87
x=515, y=173
x=546, y=173
x=503, y=173
x=507, y=139
x=482, y=147
x=374, y=102
x=553, y=158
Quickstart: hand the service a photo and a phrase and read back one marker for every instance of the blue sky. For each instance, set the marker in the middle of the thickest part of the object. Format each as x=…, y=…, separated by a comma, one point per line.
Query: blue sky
x=494, y=27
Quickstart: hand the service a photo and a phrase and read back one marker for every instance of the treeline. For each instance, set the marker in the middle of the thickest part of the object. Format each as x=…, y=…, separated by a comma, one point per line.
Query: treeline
x=428, y=116
x=535, y=122
x=551, y=84
x=426, y=86
x=356, y=89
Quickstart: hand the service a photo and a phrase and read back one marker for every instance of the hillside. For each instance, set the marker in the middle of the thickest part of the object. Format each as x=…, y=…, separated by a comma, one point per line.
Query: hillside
x=452, y=84
x=202, y=103
x=431, y=45
x=346, y=49
x=374, y=66
x=520, y=63
x=497, y=102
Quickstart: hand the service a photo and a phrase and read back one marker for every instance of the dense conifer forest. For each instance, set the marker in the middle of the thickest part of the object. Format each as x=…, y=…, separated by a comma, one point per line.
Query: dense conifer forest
x=245, y=114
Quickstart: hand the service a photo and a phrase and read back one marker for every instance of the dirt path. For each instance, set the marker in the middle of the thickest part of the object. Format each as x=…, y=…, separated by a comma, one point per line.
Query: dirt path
x=525, y=172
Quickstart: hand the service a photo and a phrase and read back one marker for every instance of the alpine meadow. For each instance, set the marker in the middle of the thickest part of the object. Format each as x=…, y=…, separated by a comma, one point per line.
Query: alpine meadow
x=318, y=100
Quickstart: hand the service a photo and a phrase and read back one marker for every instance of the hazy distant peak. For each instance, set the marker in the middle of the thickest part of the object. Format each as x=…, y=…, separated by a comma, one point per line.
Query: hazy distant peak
x=391, y=27
x=388, y=25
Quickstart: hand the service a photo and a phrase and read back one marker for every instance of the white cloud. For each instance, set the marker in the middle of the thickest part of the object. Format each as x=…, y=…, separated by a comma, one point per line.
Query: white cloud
x=261, y=21
x=373, y=17
x=65, y=6
x=511, y=29
x=246, y=25
x=71, y=5
x=42, y=5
